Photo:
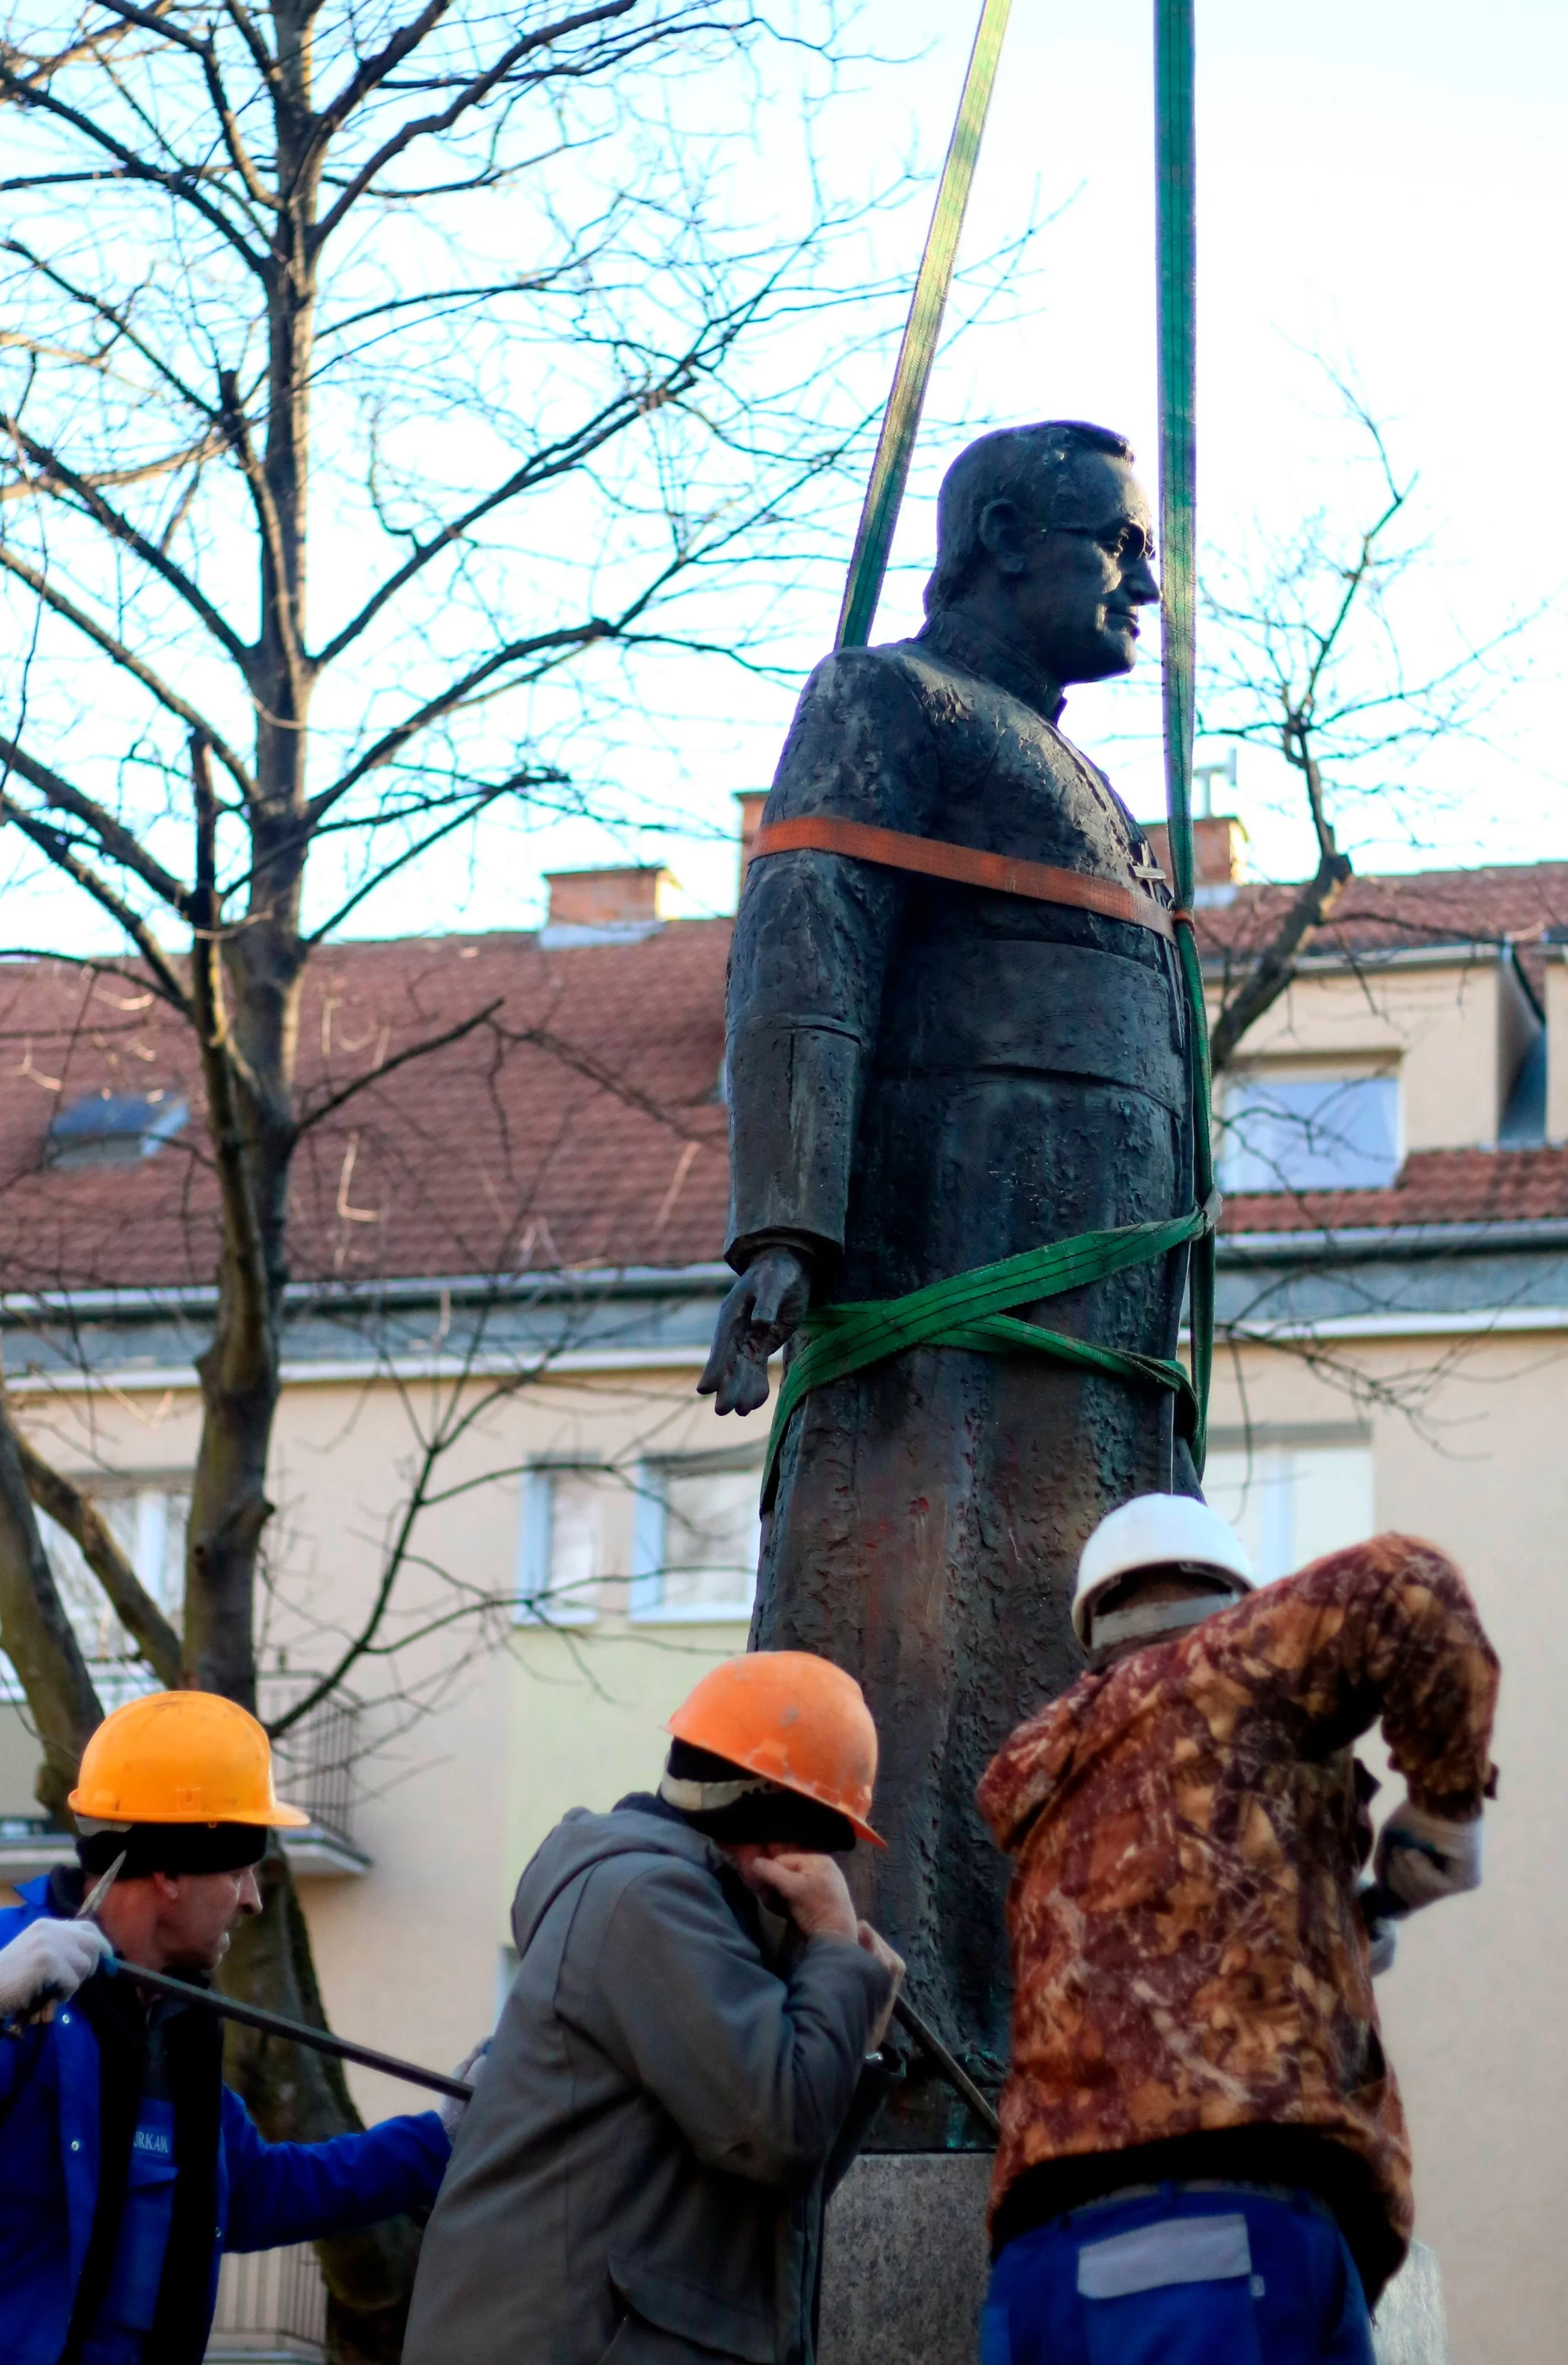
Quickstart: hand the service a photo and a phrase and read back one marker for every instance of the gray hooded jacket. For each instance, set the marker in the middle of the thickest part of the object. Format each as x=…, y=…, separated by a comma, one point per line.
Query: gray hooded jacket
x=641, y=2175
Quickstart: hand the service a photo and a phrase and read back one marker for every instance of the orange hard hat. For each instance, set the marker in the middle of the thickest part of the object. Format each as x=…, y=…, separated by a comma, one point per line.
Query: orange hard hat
x=795, y=1720
x=181, y=1757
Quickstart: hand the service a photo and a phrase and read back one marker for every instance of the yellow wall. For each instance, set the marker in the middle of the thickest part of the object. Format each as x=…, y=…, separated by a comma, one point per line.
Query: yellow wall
x=516, y=1724
x=1455, y=1032
x=1473, y=2011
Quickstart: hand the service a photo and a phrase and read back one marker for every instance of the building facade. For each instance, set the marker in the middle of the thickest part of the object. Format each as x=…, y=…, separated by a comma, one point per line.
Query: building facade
x=503, y=1513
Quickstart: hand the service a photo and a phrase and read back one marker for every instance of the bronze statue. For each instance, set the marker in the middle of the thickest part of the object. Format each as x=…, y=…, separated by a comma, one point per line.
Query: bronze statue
x=927, y=1075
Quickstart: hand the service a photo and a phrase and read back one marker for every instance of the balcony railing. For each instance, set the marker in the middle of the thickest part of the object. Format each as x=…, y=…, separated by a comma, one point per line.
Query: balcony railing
x=315, y=1766
x=272, y=2309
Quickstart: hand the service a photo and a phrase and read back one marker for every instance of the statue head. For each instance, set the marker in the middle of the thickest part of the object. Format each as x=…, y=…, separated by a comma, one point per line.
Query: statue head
x=1044, y=535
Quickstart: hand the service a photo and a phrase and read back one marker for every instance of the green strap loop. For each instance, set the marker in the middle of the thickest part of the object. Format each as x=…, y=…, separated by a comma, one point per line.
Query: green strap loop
x=1176, y=208
x=973, y=1310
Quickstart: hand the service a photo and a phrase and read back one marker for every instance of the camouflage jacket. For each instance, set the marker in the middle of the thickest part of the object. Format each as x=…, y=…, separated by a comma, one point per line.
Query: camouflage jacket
x=1188, y=1828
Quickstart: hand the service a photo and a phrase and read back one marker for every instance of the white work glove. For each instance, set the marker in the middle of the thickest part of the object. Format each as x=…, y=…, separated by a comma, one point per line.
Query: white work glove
x=1382, y=1945
x=47, y=1962
x=1422, y=1859
x=450, y=2107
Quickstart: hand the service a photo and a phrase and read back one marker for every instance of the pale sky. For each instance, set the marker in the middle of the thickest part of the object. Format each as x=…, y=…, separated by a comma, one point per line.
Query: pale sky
x=1380, y=182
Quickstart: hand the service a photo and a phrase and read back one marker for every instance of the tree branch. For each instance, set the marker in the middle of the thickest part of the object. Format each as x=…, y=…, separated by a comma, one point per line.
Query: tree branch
x=158, y=21
x=425, y=126
x=83, y=1521
x=64, y=854
x=261, y=57
x=556, y=459
x=118, y=842
x=1274, y=968
x=162, y=691
x=386, y=746
x=237, y=427
x=145, y=472
x=366, y=77
x=121, y=530
x=114, y=316
x=36, y=1634
x=181, y=183
x=220, y=1067
x=607, y=1079
x=469, y=808
x=376, y=1075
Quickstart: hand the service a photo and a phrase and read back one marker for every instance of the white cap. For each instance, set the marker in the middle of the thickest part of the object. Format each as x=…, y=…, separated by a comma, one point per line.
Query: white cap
x=1157, y=1531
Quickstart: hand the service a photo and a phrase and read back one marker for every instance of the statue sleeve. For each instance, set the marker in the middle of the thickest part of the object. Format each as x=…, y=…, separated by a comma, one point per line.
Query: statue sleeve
x=812, y=942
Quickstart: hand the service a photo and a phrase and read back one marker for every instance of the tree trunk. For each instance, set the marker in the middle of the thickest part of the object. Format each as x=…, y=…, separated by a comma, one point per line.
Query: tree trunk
x=248, y=982
x=35, y=1636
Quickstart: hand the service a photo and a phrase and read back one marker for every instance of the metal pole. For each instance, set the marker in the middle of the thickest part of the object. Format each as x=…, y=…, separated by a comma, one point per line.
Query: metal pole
x=957, y=2076
x=900, y=421
x=251, y=2015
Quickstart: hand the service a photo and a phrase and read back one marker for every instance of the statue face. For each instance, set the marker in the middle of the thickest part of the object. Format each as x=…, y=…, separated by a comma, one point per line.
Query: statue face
x=1072, y=589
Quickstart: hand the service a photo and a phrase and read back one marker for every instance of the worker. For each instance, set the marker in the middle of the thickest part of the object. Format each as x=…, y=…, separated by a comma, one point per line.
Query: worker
x=1203, y=2154
x=126, y=2166
x=681, y=2071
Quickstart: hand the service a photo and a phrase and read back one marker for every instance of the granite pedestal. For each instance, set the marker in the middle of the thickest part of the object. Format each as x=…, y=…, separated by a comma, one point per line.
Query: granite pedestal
x=904, y=2270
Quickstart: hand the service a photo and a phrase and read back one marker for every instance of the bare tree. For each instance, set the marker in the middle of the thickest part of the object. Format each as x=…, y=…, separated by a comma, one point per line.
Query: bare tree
x=1308, y=648
x=445, y=310
x=1304, y=653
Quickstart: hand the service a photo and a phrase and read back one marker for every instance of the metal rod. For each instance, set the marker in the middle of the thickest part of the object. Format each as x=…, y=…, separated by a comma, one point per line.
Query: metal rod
x=100, y=1889
x=957, y=2076
x=900, y=421
x=273, y=2024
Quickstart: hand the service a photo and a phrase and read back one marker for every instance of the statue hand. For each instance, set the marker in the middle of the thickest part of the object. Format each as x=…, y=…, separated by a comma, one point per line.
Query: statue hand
x=763, y=1309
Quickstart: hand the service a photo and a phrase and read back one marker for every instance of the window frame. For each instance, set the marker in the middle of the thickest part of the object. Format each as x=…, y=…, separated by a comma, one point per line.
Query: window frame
x=645, y=1603
x=1266, y=1076
x=1277, y=1460
x=535, y=1542
x=127, y=1676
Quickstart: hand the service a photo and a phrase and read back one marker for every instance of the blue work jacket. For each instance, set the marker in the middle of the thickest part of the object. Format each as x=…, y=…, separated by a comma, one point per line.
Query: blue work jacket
x=267, y=2193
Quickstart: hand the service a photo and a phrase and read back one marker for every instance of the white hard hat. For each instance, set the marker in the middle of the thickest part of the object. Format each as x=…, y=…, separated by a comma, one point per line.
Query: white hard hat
x=1157, y=1531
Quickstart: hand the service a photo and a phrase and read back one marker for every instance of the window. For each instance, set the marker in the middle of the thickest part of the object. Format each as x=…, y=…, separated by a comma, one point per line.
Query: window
x=1290, y=1502
x=148, y=1517
x=1310, y=1133
x=114, y=1128
x=148, y=1521
x=697, y=1538
x=564, y=1545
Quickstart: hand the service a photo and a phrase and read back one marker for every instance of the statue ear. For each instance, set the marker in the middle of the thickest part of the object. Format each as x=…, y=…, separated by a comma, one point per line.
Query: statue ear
x=1003, y=534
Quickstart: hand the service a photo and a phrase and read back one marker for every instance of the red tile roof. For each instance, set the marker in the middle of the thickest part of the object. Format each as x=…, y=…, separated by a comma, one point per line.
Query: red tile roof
x=577, y=1121
x=1499, y=903
x=1434, y=1187
x=578, y=1124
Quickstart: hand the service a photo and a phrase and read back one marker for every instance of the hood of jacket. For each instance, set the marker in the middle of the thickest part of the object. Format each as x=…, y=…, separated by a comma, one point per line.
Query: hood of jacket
x=638, y=1826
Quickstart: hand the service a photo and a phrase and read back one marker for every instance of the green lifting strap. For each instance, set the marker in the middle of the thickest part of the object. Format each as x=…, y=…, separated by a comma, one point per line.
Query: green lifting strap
x=974, y=1311
x=900, y=421
x=1176, y=226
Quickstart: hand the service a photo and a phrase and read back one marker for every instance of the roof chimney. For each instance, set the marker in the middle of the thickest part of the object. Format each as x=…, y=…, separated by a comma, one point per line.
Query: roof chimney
x=751, y=801
x=1216, y=853
x=626, y=898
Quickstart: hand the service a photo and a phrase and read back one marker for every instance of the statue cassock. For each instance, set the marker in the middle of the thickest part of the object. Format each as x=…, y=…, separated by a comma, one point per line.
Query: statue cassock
x=925, y=1076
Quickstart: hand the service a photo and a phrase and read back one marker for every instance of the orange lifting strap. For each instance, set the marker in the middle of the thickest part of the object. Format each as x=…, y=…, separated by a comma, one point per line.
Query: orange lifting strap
x=937, y=857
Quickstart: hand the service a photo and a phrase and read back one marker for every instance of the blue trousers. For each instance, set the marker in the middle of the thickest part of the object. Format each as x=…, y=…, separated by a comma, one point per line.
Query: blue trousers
x=1188, y=2275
